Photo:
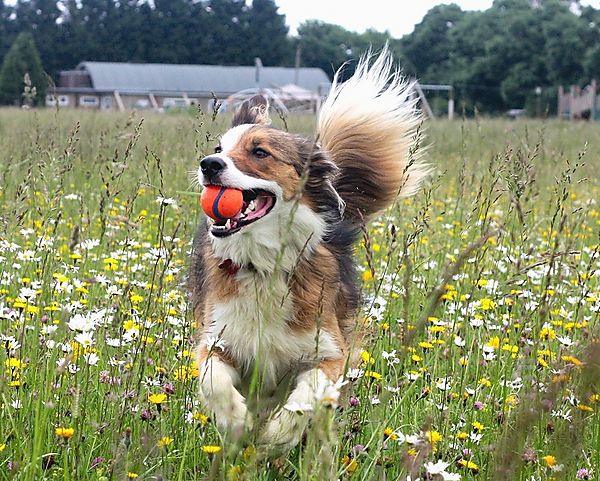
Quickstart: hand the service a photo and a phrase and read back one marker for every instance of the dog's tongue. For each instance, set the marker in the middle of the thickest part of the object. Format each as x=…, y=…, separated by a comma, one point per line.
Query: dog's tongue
x=262, y=204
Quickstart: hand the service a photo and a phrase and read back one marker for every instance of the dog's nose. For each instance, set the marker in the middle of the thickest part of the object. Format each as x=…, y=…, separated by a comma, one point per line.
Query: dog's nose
x=212, y=166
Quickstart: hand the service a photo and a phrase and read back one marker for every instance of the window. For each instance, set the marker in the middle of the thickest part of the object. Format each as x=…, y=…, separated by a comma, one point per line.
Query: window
x=88, y=101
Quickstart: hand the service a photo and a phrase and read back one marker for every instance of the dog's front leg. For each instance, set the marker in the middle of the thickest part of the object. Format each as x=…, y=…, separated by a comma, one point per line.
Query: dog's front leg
x=315, y=386
x=218, y=379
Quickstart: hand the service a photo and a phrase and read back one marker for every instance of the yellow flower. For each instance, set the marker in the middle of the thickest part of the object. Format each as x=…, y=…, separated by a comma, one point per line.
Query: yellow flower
x=164, y=441
x=390, y=434
x=2, y=447
x=130, y=324
x=131, y=475
x=367, y=358
x=234, y=473
x=549, y=460
x=157, y=398
x=494, y=342
x=462, y=435
x=433, y=436
x=210, y=449
x=136, y=298
x=350, y=463
x=572, y=360
x=583, y=407
x=487, y=304
x=202, y=418
x=14, y=363
x=373, y=374
x=547, y=333
x=477, y=426
x=485, y=382
x=65, y=433
x=111, y=264
x=367, y=276
x=465, y=463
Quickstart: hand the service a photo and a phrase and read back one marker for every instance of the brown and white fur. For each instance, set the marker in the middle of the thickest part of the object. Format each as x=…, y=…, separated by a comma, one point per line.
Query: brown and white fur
x=277, y=287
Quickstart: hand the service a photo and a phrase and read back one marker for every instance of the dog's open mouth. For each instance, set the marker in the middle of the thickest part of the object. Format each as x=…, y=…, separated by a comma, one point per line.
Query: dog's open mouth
x=257, y=204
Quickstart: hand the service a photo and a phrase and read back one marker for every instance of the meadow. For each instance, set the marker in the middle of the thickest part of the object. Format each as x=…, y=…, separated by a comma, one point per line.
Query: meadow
x=481, y=300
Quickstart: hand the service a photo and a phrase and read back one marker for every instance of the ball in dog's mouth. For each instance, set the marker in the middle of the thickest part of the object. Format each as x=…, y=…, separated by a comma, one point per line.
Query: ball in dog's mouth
x=257, y=204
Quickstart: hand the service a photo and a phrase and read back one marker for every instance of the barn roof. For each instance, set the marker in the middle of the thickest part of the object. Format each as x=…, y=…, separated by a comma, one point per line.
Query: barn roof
x=134, y=78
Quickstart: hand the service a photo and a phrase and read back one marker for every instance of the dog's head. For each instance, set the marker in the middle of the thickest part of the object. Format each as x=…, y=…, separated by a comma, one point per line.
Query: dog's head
x=287, y=184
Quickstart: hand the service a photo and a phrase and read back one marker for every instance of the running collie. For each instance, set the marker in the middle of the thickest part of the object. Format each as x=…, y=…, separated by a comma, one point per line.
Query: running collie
x=275, y=287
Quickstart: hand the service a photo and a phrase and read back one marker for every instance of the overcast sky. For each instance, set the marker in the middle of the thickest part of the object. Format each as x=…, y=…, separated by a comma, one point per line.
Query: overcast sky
x=399, y=17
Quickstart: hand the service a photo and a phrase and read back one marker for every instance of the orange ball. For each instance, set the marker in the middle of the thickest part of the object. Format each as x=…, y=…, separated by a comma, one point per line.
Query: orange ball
x=220, y=202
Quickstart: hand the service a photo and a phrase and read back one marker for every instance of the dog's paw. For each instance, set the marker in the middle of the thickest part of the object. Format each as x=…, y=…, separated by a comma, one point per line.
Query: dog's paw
x=232, y=417
x=282, y=432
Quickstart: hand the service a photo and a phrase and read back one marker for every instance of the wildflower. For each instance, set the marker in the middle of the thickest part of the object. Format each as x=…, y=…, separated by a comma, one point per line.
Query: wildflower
x=487, y=304
x=433, y=437
x=583, y=473
x=164, y=441
x=64, y=433
x=111, y=264
x=350, y=463
x=166, y=201
x=367, y=358
x=367, y=276
x=547, y=334
x=96, y=462
x=549, y=460
x=210, y=449
x=131, y=475
x=470, y=465
x=573, y=360
x=477, y=426
x=374, y=375
x=157, y=398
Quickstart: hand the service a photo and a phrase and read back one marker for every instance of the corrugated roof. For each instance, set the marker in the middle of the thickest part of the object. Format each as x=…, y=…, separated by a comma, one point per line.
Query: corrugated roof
x=196, y=79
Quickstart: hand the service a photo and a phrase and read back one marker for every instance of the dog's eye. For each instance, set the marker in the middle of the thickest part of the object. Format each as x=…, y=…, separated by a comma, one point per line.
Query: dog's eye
x=218, y=149
x=260, y=153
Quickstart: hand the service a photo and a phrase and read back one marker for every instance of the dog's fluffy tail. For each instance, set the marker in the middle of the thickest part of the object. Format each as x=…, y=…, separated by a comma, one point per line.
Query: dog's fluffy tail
x=369, y=125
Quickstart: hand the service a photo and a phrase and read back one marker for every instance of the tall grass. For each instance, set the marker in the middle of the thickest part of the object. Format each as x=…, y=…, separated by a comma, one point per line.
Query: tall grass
x=481, y=299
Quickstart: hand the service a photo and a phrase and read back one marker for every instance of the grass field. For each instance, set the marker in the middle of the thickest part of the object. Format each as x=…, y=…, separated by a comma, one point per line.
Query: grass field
x=482, y=297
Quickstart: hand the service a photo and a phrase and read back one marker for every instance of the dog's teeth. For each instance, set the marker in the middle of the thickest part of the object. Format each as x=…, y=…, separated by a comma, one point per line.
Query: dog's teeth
x=228, y=224
x=252, y=205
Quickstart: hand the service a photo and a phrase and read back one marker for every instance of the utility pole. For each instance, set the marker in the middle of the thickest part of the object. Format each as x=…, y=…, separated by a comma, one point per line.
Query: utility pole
x=297, y=64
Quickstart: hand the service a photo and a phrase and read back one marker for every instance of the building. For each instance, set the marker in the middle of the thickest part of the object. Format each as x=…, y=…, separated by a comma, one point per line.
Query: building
x=127, y=86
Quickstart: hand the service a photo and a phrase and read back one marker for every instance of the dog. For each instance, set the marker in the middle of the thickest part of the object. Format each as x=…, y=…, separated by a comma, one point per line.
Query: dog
x=276, y=288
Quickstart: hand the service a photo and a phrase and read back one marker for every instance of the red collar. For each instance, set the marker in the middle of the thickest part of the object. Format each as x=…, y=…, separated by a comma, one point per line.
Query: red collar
x=228, y=266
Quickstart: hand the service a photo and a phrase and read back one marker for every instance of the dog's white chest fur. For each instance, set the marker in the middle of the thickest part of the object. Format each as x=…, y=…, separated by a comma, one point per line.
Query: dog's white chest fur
x=255, y=329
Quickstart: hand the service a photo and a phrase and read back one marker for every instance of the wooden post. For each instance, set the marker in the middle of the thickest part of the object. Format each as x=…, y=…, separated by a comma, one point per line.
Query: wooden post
x=571, y=97
x=119, y=101
x=451, y=103
x=561, y=94
x=593, y=87
x=153, y=101
x=426, y=106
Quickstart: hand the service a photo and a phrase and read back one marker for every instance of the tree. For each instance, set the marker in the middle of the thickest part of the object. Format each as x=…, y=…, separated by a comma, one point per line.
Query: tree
x=22, y=58
x=266, y=34
x=428, y=48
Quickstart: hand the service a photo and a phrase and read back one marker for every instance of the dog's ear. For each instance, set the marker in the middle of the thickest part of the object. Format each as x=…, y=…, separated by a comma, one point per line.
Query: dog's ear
x=255, y=110
x=320, y=182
